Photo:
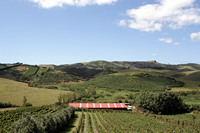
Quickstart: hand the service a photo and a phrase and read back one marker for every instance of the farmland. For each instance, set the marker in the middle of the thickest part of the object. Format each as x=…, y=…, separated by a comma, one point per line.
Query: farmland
x=101, y=81
x=44, y=118
x=123, y=121
x=13, y=91
x=112, y=81
x=138, y=82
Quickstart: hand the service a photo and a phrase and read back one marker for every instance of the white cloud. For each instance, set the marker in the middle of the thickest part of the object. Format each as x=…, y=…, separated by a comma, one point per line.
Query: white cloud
x=153, y=17
x=122, y=22
x=60, y=3
x=176, y=43
x=166, y=40
x=195, y=36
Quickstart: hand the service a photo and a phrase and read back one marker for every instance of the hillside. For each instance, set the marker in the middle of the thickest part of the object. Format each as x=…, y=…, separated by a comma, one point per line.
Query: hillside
x=44, y=75
x=103, y=81
x=13, y=91
x=124, y=65
x=137, y=82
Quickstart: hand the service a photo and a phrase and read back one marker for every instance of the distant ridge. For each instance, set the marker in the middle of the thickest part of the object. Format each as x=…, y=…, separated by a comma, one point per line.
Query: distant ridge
x=123, y=65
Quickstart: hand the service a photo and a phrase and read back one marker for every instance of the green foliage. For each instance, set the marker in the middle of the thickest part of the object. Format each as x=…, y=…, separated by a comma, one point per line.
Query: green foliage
x=7, y=105
x=104, y=65
x=7, y=118
x=147, y=64
x=186, y=93
x=66, y=98
x=119, y=97
x=24, y=100
x=88, y=70
x=27, y=104
x=161, y=102
x=195, y=107
x=25, y=125
x=88, y=100
x=6, y=67
x=130, y=96
x=51, y=122
x=11, y=73
x=42, y=71
x=133, y=83
x=55, y=78
x=193, y=76
x=190, y=97
x=30, y=72
x=125, y=121
x=82, y=72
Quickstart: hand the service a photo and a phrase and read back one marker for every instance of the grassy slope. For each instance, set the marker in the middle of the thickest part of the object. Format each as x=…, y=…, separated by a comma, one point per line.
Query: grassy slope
x=191, y=80
x=31, y=71
x=12, y=91
x=136, y=82
x=189, y=74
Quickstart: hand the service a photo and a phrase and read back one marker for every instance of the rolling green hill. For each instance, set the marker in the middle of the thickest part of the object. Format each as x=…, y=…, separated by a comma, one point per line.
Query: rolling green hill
x=138, y=82
x=93, y=71
x=195, y=76
x=107, y=78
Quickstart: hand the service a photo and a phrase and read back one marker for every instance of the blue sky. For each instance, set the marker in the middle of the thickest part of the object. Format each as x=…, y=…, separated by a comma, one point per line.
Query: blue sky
x=72, y=31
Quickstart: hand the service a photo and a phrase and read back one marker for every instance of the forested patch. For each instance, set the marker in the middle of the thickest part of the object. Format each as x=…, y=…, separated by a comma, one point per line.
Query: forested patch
x=161, y=102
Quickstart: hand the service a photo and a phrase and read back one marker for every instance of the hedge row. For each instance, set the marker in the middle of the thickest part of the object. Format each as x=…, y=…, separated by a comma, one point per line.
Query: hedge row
x=7, y=105
x=48, y=123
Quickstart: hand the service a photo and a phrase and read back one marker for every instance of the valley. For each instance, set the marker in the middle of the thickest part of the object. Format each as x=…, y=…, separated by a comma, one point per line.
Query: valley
x=104, y=82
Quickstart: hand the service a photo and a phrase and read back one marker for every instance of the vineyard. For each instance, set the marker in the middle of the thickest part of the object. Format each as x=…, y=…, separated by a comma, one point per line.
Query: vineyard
x=123, y=121
x=53, y=118
x=7, y=118
x=136, y=82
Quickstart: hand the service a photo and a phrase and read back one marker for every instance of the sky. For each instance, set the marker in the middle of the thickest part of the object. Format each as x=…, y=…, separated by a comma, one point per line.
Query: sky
x=73, y=31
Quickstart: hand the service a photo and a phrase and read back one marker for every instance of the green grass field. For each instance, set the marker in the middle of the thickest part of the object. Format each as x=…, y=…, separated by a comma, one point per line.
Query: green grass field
x=13, y=91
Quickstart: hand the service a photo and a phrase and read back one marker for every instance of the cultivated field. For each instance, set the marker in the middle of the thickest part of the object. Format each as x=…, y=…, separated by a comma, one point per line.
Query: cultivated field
x=13, y=91
x=123, y=121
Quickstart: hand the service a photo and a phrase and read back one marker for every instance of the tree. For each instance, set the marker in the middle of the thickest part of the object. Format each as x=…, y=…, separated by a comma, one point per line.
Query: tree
x=67, y=97
x=161, y=102
x=24, y=100
x=25, y=103
x=130, y=96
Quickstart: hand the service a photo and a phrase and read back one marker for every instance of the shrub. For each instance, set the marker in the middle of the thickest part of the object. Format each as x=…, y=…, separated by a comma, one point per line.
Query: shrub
x=52, y=87
x=163, y=102
x=130, y=96
x=27, y=104
x=6, y=105
x=25, y=125
x=119, y=97
x=195, y=107
x=24, y=100
x=51, y=122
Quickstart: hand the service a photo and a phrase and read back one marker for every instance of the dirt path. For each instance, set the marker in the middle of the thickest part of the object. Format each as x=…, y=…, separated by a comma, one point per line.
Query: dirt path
x=76, y=122
x=6, y=109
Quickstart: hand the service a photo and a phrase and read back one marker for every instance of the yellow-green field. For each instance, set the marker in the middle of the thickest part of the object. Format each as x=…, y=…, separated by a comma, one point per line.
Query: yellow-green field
x=13, y=91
